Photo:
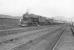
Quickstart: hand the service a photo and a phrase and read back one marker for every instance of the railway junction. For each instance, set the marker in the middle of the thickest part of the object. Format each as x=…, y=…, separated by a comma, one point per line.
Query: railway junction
x=56, y=37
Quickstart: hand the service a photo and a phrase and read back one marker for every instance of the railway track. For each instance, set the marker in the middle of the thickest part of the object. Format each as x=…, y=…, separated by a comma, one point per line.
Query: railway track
x=19, y=30
x=6, y=32
x=9, y=34
x=29, y=45
x=66, y=41
x=35, y=37
x=5, y=27
x=15, y=33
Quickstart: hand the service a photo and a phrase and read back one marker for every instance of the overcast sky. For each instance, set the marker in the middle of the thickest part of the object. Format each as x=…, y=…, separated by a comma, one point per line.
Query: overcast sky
x=46, y=8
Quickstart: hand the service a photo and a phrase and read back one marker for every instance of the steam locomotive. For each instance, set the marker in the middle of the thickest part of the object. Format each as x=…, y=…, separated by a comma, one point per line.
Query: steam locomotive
x=33, y=20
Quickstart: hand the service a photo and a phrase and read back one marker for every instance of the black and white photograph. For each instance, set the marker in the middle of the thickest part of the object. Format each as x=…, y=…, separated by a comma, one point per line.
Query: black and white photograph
x=36, y=24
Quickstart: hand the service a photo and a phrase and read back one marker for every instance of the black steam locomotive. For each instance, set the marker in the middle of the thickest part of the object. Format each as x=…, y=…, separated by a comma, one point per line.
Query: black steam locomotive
x=33, y=20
